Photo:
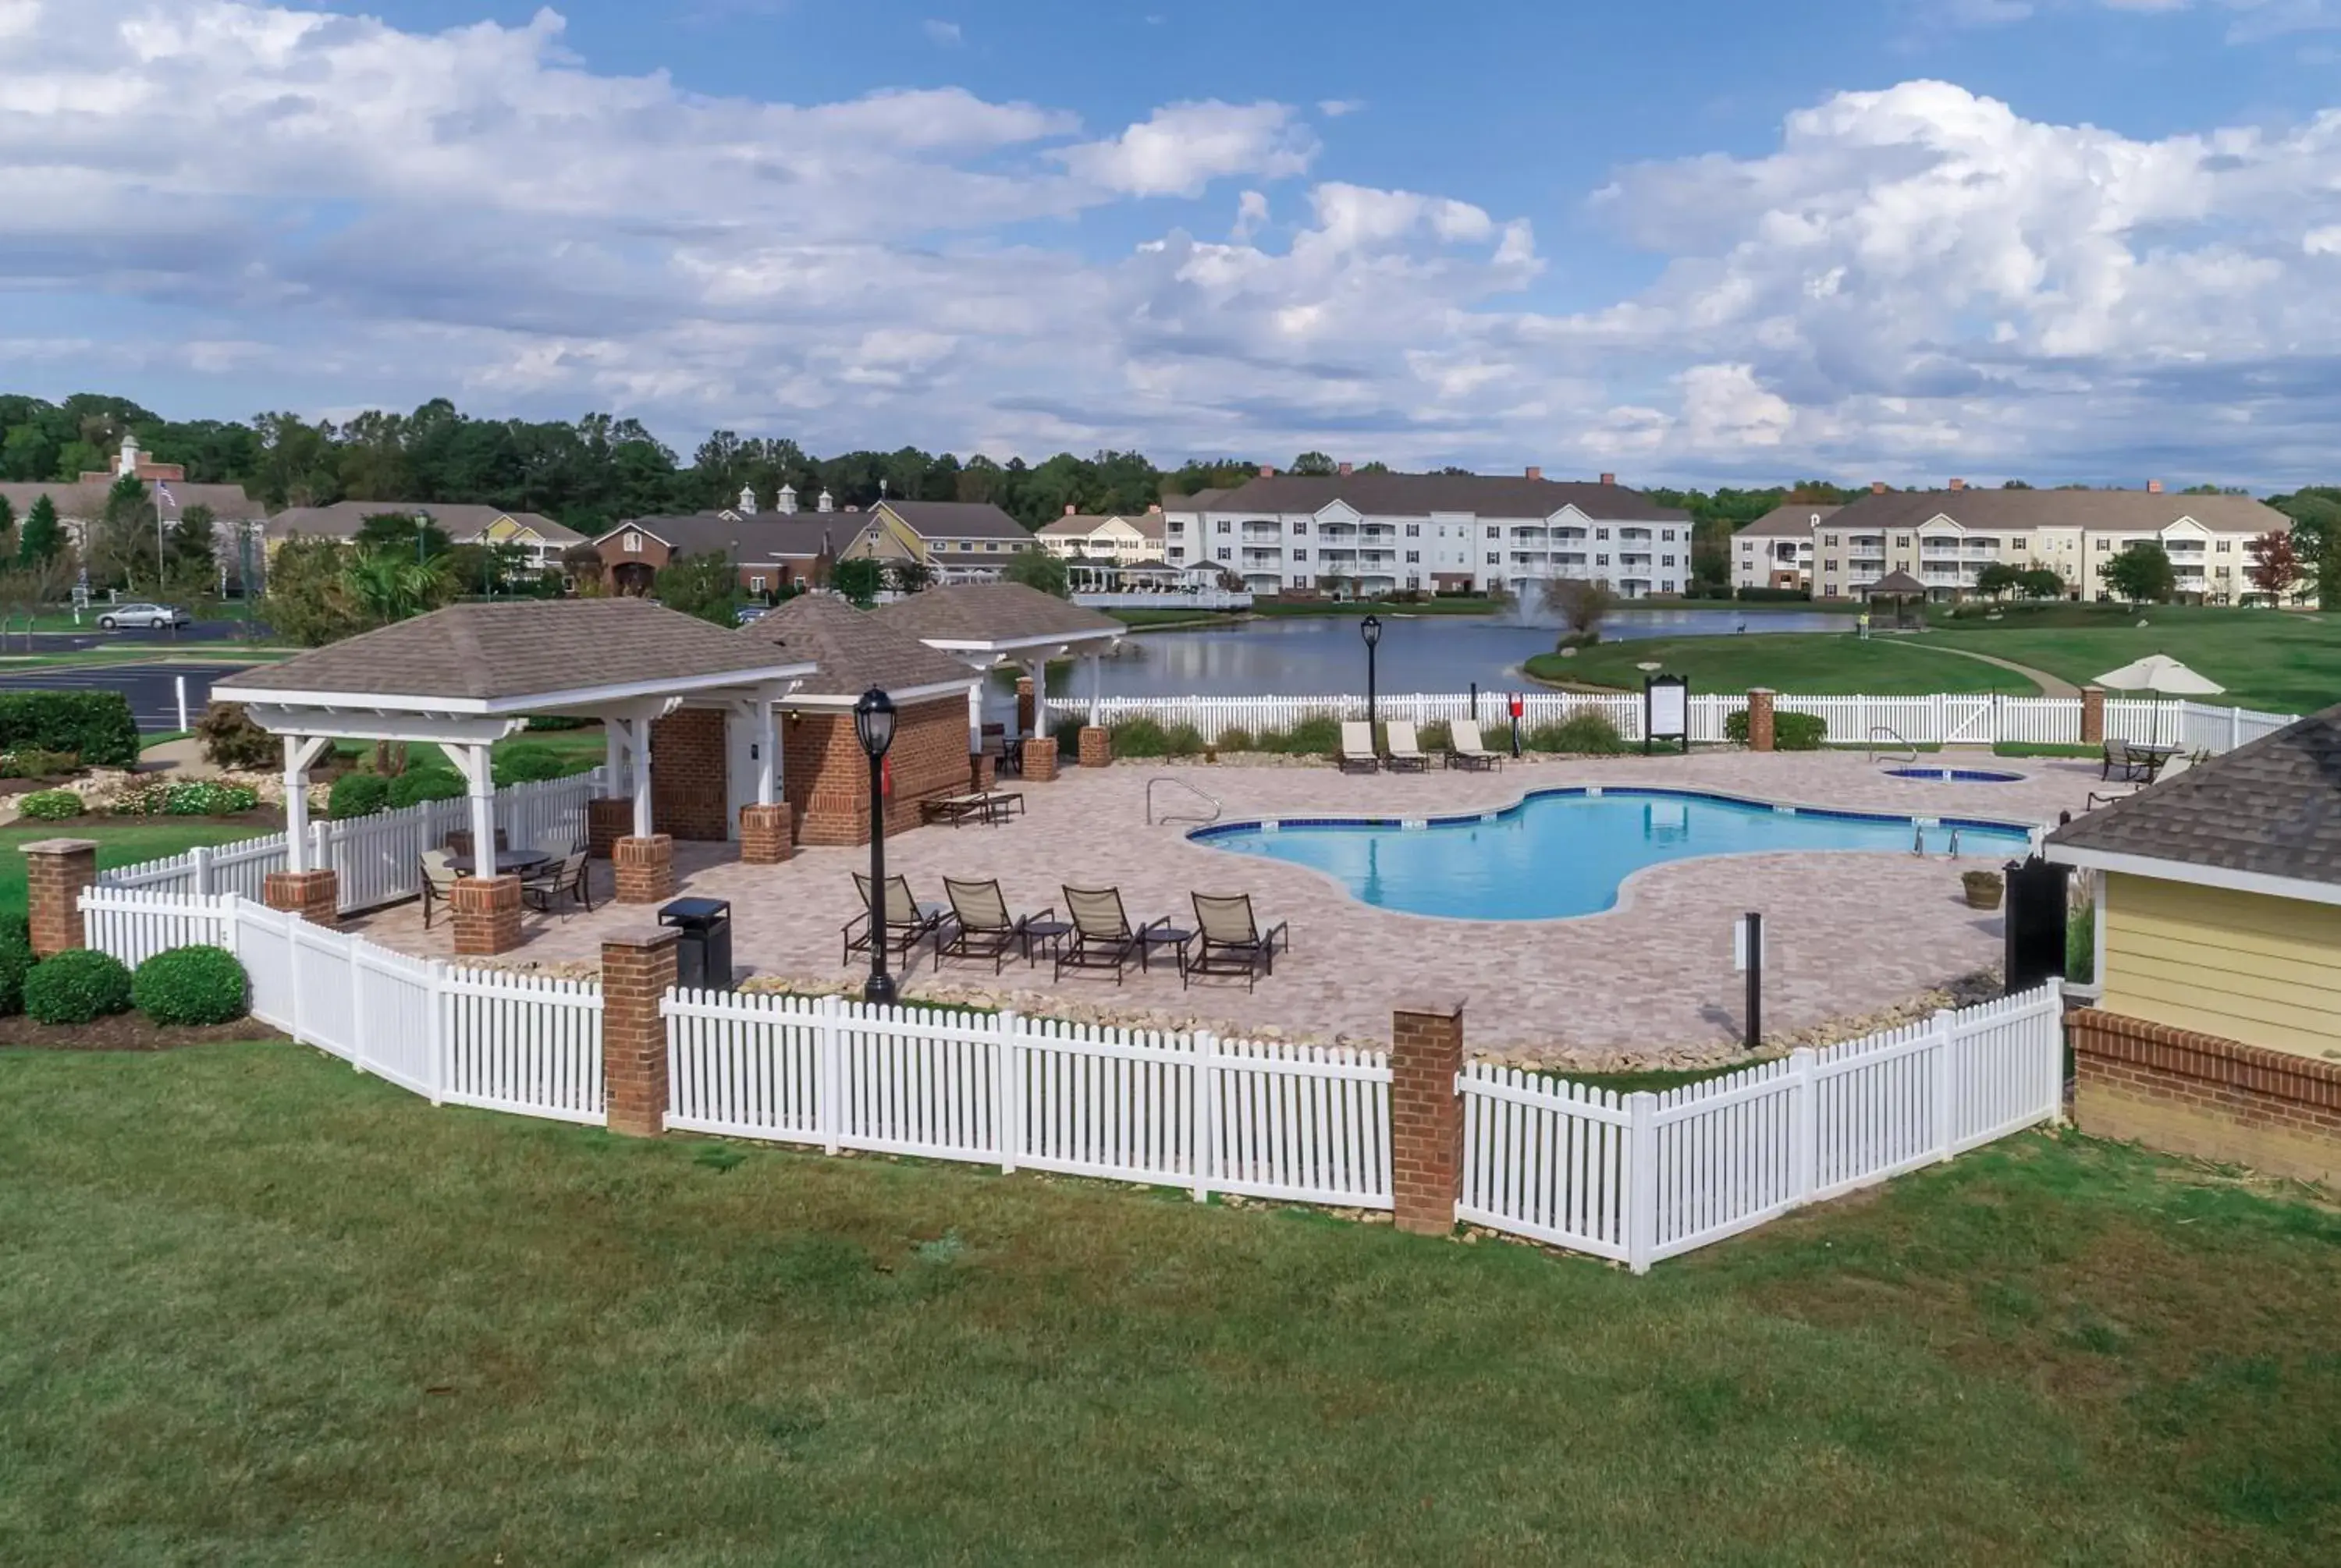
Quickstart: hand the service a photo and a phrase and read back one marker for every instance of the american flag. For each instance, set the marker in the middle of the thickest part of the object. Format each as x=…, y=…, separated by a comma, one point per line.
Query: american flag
x=163, y=493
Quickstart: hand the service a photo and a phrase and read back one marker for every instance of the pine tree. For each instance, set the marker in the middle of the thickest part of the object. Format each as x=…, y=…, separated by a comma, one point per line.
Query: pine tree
x=42, y=537
x=7, y=527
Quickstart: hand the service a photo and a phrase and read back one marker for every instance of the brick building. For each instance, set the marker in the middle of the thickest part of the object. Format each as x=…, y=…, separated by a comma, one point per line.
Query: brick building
x=772, y=550
x=2218, y=1031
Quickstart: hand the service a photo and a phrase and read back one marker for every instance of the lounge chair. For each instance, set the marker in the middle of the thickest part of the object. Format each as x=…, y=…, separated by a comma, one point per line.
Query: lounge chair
x=954, y=808
x=905, y=924
x=1357, y=754
x=1405, y=751
x=1103, y=937
x=984, y=927
x=439, y=881
x=564, y=877
x=1229, y=942
x=1465, y=748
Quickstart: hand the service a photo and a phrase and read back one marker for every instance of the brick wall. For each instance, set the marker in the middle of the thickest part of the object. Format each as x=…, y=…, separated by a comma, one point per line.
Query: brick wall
x=1426, y=1115
x=690, y=775
x=637, y=970
x=827, y=774
x=2195, y=1094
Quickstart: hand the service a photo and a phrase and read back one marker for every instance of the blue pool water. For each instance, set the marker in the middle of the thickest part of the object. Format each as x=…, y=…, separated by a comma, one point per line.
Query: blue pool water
x=1956, y=775
x=1560, y=853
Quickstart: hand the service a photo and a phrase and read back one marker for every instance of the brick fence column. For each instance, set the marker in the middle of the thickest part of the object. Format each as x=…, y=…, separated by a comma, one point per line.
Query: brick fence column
x=314, y=896
x=1039, y=759
x=765, y=832
x=1024, y=705
x=487, y=916
x=1426, y=1115
x=2093, y=715
x=607, y=820
x=1097, y=746
x=637, y=968
x=982, y=771
x=1760, y=720
x=645, y=868
x=56, y=871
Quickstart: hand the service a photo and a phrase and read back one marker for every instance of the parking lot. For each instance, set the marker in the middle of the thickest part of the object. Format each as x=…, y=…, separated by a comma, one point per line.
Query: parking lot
x=151, y=688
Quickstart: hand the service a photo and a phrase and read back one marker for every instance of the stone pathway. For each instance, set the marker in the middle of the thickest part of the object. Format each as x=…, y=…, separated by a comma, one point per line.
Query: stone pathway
x=2050, y=685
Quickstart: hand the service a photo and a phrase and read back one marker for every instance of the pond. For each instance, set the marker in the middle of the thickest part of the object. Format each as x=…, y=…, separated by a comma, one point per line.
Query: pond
x=1305, y=656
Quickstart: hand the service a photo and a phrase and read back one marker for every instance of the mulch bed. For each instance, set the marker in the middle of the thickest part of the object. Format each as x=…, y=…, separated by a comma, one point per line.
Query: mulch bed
x=126, y=1032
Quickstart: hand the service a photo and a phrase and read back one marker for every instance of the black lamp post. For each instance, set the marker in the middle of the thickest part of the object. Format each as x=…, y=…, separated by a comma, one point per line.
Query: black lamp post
x=874, y=726
x=1370, y=629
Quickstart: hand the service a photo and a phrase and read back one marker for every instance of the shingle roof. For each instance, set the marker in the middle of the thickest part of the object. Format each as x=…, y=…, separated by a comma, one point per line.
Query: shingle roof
x=86, y=502
x=761, y=537
x=1403, y=494
x=994, y=613
x=461, y=521
x=2271, y=807
x=2111, y=511
x=955, y=519
x=498, y=652
x=1790, y=520
x=1897, y=581
x=855, y=649
x=1201, y=501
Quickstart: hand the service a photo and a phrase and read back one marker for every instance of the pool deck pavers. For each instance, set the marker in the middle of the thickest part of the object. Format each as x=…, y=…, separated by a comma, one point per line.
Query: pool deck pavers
x=1849, y=935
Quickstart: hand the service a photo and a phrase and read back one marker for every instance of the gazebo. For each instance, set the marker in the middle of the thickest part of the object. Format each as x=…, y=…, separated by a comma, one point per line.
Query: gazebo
x=466, y=677
x=1900, y=587
x=984, y=624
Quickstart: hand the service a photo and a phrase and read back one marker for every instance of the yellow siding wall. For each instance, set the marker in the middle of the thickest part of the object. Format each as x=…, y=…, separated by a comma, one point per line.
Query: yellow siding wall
x=2266, y=971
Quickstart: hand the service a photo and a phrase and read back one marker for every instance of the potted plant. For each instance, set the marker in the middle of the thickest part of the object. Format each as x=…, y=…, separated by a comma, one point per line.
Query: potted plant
x=1983, y=888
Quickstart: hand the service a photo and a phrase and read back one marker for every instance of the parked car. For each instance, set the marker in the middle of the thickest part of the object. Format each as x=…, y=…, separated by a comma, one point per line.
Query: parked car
x=748, y=615
x=150, y=616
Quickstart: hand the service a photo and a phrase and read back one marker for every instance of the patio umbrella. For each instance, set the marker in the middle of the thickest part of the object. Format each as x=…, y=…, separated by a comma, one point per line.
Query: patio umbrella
x=2161, y=674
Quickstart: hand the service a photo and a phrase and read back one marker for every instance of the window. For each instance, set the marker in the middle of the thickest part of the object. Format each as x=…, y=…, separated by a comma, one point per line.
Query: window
x=1178, y=553
x=1600, y=560
x=1901, y=542
x=2101, y=544
x=1829, y=563
x=1414, y=556
x=1226, y=527
x=1301, y=528
x=2016, y=544
x=1224, y=551
x=756, y=584
x=2222, y=546
x=1747, y=547
x=1495, y=557
x=1600, y=534
x=1300, y=555
x=1175, y=526
x=1667, y=561
x=1414, y=530
x=1494, y=533
x=633, y=544
x=991, y=544
x=1829, y=539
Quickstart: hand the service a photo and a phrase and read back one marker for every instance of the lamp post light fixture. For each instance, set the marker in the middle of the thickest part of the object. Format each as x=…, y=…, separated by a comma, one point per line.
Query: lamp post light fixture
x=874, y=726
x=1370, y=629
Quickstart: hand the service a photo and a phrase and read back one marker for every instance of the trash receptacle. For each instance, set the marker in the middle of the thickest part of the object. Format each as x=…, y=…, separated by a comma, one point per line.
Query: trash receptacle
x=703, y=955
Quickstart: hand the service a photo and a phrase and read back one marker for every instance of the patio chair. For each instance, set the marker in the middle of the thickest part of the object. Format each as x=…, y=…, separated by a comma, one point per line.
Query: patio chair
x=1405, y=751
x=557, y=843
x=2134, y=767
x=985, y=929
x=905, y=925
x=1230, y=942
x=566, y=875
x=1357, y=754
x=438, y=880
x=1103, y=937
x=1465, y=748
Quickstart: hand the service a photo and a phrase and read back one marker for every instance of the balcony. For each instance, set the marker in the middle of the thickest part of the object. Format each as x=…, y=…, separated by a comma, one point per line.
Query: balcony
x=1373, y=558
x=1268, y=558
x=1337, y=530
x=1521, y=534
x=1636, y=536
x=1252, y=530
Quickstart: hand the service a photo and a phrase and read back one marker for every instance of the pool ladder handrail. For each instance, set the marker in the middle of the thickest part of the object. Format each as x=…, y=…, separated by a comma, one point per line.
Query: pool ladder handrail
x=1918, y=840
x=1210, y=800
x=1887, y=730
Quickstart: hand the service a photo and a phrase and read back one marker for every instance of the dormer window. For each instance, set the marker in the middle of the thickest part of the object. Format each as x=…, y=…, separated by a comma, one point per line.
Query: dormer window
x=633, y=543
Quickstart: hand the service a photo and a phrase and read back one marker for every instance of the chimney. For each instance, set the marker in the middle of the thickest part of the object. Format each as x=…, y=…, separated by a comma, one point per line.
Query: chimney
x=1958, y=484
x=786, y=502
x=1535, y=472
x=1878, y=487
x=1608, y=479
x=1069, y=509
x=2154, y=487
x=1345, y=470
x=748, y=500
x=1268, y=471
x=826, y=503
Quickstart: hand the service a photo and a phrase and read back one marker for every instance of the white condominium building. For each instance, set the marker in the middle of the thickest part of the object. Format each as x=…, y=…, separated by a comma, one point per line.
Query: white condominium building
x=1387, y=532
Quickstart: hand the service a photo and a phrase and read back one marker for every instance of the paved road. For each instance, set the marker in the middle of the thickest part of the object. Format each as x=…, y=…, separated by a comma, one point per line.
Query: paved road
x=151, y=688
x=195, y=633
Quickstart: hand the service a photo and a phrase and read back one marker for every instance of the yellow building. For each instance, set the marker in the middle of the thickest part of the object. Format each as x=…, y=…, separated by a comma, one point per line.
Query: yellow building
x=2218, y=895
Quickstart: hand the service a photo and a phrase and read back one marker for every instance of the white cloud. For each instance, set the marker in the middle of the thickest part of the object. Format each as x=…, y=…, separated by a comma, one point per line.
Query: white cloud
x=1182, y=147
x=1337, y=108
x=944, y=34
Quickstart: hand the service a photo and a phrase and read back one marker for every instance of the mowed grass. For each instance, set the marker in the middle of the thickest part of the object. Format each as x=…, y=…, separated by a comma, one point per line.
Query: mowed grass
x=119, y=843
x=1808, y=664
x=263, y=1310
x=2277, y=662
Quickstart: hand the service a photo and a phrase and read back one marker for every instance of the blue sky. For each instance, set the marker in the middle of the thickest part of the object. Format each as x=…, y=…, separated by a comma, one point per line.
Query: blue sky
x=2067, y=239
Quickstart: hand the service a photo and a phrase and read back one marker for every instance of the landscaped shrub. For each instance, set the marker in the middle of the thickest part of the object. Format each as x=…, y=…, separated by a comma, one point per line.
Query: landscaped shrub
x=1436, y=736
x=15, y=963
x=417, y=785
x=1586, y=733
x=357, y=795
x=1183, y=741
x=543, y=721
x=197, y=984
x=75, y=986
x=231, y=740
x=188, y=797
x=93, y=723
x=1138, y=737
x=1774, y=595
x=33, y=762
x=527, y=765
x=1314, y=737
x=1235, y=737
x=50, y=805
x=1790, y=732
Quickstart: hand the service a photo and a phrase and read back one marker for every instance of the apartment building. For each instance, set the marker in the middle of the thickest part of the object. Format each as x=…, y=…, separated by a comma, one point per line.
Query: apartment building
x=1946, y=537
x=1124, y=539
x=1373, y=534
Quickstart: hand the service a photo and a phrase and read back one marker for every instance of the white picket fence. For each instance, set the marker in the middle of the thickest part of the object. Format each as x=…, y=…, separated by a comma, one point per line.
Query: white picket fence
x=505, y=1042
x=378, y=857
x=1935, y=719
x=1644, y=1177
x=1636, y=1177
x=1309, y=1124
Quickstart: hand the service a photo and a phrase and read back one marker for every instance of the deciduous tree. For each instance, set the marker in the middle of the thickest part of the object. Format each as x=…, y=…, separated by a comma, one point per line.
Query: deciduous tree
x=1039, y=569
x=706, y=585
x=2141, y=574
x=2275, y=564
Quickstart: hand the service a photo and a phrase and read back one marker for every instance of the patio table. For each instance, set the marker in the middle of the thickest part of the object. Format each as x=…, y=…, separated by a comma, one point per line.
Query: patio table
x=508, y=863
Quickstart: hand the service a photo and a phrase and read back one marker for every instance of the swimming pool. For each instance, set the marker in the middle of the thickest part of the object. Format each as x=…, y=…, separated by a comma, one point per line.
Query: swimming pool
x=1565, y=852
x=1957, y=775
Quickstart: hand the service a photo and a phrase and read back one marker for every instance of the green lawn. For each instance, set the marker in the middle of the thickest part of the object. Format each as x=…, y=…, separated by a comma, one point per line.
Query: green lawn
x=1804, y=662
x=2280, y=661
x=262, y=1309
x=120, y=842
